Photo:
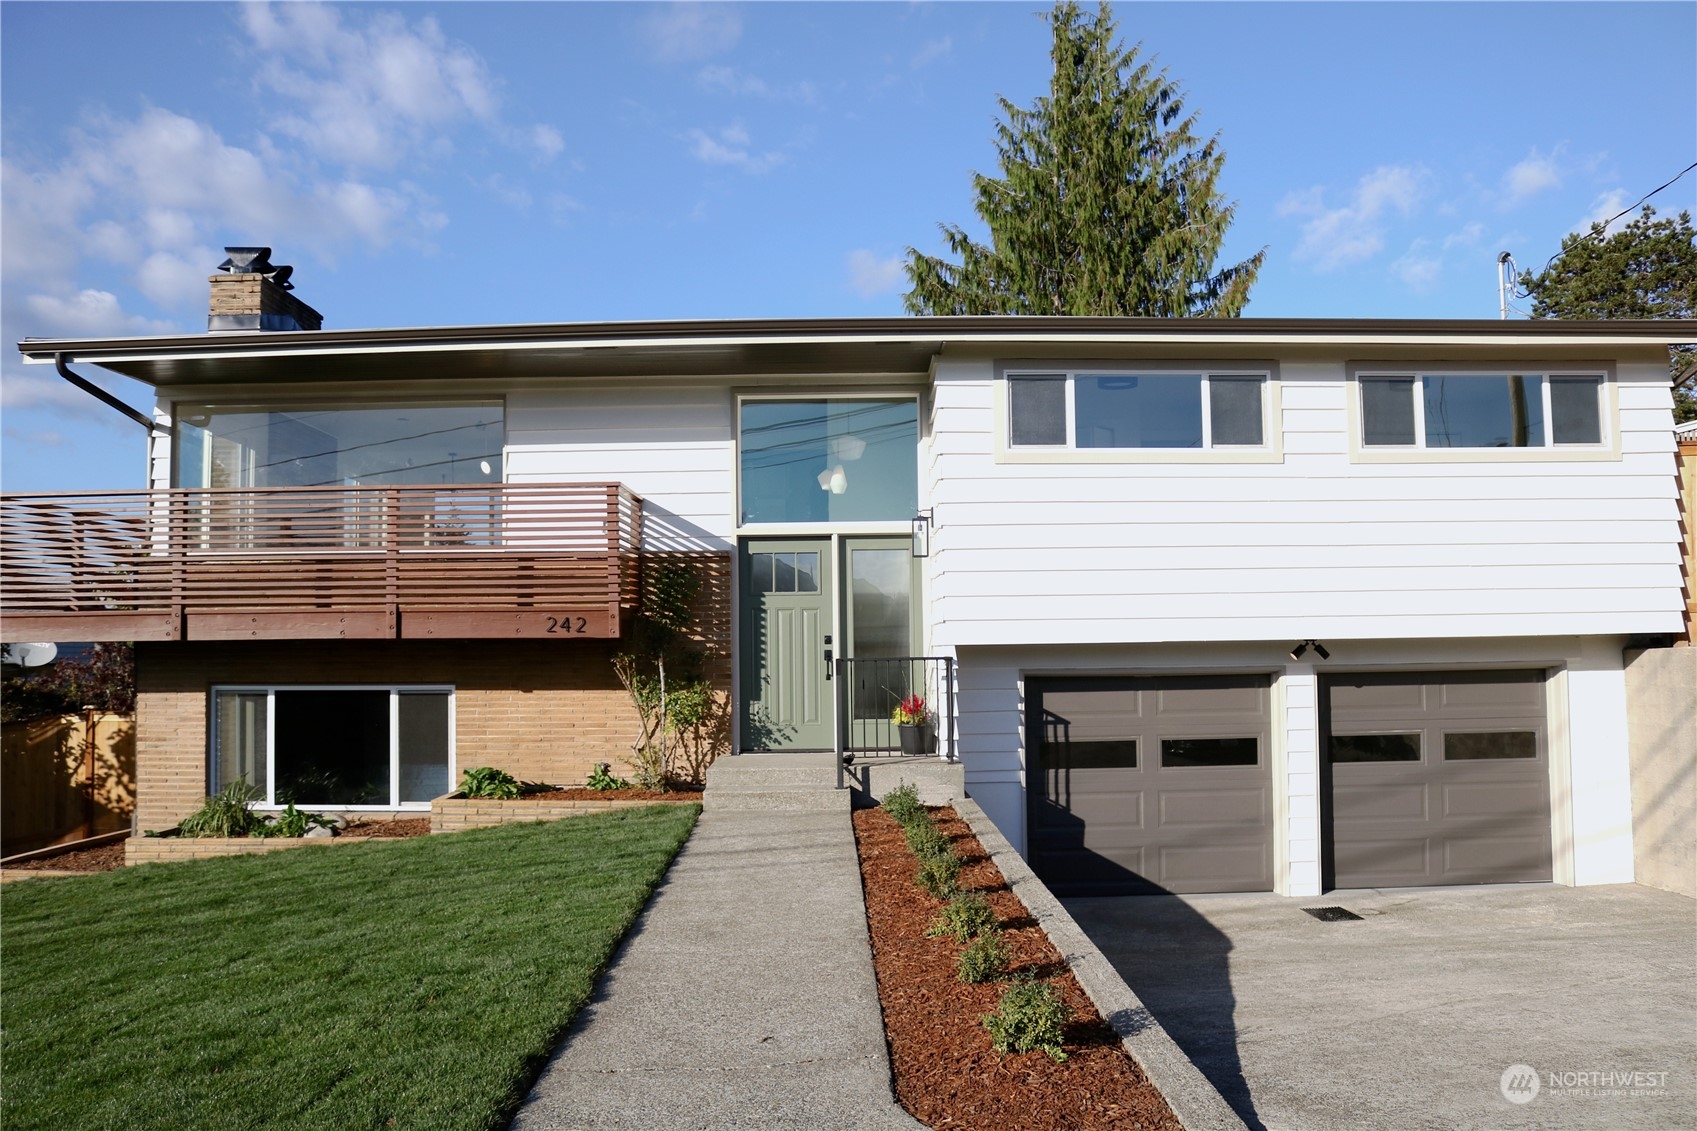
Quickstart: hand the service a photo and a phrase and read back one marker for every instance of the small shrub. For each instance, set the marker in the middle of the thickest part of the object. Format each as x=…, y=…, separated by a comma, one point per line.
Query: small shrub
x=1031, y=1015
x=228, y=814
x=487, y=781
x=602, y=778
x=965, y=916
x=984, y=959
x=939, y=876
x=902, y=803
x=291, y=822
x=927, y=840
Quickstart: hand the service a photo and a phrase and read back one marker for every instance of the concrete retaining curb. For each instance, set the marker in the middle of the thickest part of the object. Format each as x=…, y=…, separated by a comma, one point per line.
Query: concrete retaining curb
x=1196, y=1102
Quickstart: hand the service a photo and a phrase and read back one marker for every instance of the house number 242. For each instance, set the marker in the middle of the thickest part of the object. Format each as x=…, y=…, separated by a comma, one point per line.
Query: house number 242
x=572, y=625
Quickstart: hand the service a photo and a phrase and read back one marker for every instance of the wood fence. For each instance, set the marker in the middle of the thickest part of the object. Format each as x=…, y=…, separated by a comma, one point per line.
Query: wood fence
x=65, y=777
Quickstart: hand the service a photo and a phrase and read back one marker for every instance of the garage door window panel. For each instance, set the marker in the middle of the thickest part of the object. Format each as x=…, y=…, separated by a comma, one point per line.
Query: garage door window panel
x=1375, y=747
x=1204, y=753
x=1489, y=745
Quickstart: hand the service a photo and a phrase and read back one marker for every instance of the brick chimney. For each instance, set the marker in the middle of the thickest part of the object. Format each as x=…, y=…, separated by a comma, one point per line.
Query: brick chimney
x=254, y=295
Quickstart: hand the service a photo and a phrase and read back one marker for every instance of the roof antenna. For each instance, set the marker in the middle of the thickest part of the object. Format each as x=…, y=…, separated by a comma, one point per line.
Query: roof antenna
x=1506, y=272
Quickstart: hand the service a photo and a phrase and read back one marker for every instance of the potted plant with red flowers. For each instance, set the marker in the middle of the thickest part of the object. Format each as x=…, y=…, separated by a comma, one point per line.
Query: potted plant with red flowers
x=913, y=720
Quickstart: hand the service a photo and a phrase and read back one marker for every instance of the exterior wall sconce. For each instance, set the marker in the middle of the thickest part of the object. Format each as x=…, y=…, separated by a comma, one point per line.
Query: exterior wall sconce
x=922, y=534
x=1302, y=649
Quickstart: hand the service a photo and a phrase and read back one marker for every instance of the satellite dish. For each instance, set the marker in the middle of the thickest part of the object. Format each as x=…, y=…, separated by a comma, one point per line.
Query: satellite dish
x=28, y=655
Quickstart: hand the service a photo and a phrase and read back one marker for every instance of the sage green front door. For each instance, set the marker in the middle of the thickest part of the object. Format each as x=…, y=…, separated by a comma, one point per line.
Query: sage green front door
x=786, y=623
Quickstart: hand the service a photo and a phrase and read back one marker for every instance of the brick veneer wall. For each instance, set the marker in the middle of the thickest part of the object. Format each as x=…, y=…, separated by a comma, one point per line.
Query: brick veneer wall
x=541, y=710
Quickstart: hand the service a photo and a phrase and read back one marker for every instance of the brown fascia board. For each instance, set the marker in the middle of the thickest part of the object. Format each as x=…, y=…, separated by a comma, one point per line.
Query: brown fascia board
x=137, y=357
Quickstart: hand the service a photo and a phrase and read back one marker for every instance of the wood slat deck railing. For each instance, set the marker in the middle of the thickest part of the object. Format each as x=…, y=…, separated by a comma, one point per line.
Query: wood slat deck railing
x=452, y=562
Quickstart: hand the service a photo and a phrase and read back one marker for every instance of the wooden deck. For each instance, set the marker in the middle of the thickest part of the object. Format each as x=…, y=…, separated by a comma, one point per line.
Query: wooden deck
x=483, y=562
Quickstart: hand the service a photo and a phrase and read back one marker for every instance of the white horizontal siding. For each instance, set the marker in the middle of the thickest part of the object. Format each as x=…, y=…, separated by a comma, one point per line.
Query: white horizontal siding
x=674, y=446
x=1317, y=544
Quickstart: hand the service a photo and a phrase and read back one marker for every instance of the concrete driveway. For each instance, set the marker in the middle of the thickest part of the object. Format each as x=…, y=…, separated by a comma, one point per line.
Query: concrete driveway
x=1410, y=1017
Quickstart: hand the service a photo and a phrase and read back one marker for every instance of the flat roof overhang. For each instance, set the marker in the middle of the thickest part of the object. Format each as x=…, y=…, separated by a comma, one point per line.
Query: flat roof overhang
x=871, y=346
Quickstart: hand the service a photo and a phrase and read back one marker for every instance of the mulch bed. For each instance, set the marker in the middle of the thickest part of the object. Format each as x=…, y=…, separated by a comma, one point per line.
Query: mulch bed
x=407, y=826
x=946, y=1073
x=102, y=859
x=580, y=793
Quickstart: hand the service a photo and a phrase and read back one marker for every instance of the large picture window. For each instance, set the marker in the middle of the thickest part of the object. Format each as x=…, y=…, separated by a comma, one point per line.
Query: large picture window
x=1481, y=410
x=1082, y=410
x=337, y=446
x=337, y=747
x=833, y=460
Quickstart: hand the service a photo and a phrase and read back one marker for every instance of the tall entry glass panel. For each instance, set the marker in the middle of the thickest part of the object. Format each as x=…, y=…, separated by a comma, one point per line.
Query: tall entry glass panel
x=880, y=625
x=847, y=460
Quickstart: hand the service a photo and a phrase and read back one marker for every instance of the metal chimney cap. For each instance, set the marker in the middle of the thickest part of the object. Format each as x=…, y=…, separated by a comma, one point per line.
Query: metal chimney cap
x=247, y=261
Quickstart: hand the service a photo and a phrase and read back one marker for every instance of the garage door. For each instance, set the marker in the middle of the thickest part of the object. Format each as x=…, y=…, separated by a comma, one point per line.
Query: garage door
x=1437, y=778
x=1150, y=785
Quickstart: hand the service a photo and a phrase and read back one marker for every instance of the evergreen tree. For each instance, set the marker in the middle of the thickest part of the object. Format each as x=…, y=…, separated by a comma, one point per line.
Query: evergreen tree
x=1106, y=203
x=1648, y=269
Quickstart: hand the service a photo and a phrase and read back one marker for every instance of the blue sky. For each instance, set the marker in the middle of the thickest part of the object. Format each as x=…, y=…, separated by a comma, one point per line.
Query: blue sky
x=424, y=164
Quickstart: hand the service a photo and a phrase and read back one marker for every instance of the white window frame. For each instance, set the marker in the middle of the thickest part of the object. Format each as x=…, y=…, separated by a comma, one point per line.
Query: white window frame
x=1270, y=450
x=1608, y=447
x=269, y=690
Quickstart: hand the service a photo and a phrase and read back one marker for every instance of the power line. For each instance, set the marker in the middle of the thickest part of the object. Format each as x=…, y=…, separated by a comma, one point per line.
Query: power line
x=1643, y=198
x=1599, y=230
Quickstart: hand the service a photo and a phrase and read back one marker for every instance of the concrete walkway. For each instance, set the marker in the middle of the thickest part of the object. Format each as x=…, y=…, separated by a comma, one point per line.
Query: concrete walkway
x=744, y=996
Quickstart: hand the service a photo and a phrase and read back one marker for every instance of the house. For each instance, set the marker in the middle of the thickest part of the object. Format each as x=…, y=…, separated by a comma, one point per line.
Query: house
x=1204, y=605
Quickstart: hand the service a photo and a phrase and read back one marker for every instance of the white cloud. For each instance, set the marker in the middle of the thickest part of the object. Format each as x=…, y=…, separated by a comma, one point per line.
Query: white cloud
x=728, y=80
x=1338, y=237
x=1468, y=236
x=720, y=79
x=1608, y=205
x=366, y=95
x=88, y=314
x=1421, y=266
x=547, y=142
x=684, y=31
x=1530, y=177
x=932, y=51
x=871, y=276
x=732, y=146
x=172, y=279
x=513, y=196
x=562, y=209
x=1418, y=267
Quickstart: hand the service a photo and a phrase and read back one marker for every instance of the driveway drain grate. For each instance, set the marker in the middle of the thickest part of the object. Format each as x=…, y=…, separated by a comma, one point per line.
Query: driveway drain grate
x=1332, y=914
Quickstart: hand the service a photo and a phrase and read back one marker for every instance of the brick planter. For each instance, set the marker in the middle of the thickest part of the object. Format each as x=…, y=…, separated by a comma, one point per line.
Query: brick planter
x=452, y=813
x=157, y=849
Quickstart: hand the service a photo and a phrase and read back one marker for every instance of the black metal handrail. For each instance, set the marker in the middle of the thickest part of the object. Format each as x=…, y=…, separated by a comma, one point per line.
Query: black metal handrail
x=869, y=689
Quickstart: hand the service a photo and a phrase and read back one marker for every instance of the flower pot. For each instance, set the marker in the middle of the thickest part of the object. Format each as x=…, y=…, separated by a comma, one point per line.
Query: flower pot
x=917, y=739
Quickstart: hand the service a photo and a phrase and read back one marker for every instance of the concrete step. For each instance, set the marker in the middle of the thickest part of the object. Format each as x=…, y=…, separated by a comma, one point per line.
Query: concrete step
x=772, y=779
x=775, y=782
x=777, y=800
x=786, y=771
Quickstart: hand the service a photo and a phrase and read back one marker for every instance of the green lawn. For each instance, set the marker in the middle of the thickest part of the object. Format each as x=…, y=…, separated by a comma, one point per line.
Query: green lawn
x=411, y=984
